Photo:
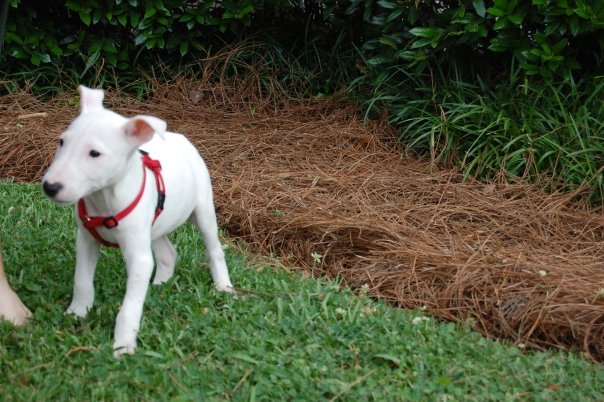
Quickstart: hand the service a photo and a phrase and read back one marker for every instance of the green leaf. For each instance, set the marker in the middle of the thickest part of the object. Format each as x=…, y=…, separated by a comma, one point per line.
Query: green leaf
x=150, y=12
x=472, y=28
x=559, y=46
x=96, y=15
x=111, y=59
x=246, y=10
x=497, y=48
x=95, y=46
x=184, y=48
x=496, y=12
x=425, y=32
x=531, y=69
x=500, y=24
x=388, y=42
x=501, y=4
x=73, y=5
x=395, y=14
x=109, y=46
x=516, y=19
x=421, y=43
x=11, y=36
x=390, y=5
x=85, y=17
x=122, y=19
x=573, y=25
x=584, y=12
x=139, y=40
x=134, y=19
x=479, y=7
x=376, y=61
x=406, y=55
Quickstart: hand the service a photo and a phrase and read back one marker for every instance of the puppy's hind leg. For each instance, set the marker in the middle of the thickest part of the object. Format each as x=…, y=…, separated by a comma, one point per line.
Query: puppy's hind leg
x=204, y=218
x=165, y=259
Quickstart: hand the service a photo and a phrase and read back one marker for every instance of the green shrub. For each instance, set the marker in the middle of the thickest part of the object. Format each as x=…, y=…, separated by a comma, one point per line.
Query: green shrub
x=119, y=34
x=545, y=37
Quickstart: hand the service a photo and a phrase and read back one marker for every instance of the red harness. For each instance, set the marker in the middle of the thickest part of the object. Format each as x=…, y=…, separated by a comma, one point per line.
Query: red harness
x=92, y=222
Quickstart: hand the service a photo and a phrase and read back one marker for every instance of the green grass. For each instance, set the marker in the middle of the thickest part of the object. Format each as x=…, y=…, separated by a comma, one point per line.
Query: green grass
x=295, y=339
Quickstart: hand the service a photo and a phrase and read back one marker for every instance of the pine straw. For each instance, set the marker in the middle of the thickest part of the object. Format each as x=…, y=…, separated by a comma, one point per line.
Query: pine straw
x=308, y=180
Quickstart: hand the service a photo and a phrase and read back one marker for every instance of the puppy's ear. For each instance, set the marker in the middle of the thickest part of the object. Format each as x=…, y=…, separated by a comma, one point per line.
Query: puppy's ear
x=140, y=129
x=90, y=99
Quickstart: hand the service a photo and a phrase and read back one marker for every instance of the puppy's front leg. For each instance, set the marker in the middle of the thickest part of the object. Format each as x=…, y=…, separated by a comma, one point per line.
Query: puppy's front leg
x=139, y=264
x=87, y=255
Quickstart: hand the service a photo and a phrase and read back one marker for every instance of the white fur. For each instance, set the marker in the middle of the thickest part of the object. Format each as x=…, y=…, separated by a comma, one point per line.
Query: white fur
x=109, y=182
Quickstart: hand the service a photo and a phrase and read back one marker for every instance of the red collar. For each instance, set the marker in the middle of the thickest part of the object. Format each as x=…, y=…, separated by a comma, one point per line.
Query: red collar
x=92, y=222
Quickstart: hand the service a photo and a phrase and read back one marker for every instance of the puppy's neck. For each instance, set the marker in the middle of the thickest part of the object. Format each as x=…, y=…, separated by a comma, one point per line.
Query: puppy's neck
x=118, y=194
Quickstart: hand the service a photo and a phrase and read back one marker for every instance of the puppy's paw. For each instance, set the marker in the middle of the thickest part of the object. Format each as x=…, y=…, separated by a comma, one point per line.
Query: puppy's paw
x=120, y=349
x=77, y=309
x=161, y=277
x=225, y=288
x=123, y=350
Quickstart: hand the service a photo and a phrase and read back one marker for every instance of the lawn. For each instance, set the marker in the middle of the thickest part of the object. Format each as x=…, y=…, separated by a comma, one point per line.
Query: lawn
x=288, y=338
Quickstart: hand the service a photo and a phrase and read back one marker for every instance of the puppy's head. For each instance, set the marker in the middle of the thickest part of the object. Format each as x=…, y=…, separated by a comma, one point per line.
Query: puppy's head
x=95, y=150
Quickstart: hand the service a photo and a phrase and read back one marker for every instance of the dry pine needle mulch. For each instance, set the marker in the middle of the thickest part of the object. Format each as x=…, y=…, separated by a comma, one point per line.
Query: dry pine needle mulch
x=309, y=181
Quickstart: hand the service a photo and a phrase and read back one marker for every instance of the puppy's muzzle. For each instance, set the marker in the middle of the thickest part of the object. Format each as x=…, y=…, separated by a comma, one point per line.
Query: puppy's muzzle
x=51, y=189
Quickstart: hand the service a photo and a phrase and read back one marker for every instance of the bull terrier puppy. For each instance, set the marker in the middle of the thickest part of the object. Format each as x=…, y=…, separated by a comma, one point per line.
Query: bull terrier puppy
x=133, y=183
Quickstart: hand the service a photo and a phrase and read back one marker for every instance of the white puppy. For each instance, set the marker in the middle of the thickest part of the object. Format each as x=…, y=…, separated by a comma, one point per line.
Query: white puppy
x=120, y=194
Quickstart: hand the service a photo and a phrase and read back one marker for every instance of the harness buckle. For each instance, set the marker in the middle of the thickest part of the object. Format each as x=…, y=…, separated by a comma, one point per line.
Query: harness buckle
x=161, y=198
x=110, y=222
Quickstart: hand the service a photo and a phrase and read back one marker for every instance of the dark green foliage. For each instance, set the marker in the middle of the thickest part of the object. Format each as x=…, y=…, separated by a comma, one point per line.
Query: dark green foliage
x=545, y=37
x=119, y=35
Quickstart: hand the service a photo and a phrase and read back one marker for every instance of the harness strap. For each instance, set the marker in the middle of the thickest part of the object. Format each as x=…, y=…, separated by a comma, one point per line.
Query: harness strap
x=109, y=222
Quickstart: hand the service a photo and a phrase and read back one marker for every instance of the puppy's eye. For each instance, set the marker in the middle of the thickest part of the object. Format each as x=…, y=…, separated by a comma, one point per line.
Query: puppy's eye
x=94, y=154
x=60, y=142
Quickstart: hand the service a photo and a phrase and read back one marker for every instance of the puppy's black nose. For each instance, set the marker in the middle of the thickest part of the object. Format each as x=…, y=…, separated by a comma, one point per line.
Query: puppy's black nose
x=51, y=189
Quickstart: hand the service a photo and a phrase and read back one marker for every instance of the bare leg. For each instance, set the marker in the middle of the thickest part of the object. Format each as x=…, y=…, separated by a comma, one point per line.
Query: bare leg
x=11, y=307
